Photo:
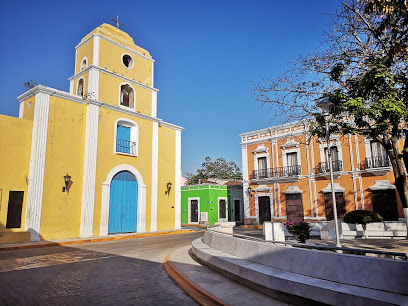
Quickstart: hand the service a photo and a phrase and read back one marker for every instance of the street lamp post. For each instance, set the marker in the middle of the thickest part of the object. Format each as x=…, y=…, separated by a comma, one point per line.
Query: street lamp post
x=325, y=105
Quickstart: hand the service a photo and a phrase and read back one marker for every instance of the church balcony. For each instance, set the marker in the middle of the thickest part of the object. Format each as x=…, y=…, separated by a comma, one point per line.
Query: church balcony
x=125, y=147
x=377, y=165
x=278, y=174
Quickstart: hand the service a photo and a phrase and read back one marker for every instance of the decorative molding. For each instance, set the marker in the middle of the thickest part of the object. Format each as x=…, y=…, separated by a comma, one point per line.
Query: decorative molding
x=293, y=190
x=261, y=148
x=75, y=98
x=332, y=137
x=141, y=199
x=337, y=188
x=382, y=185
x=177, y=199
x=155, y=165
x=290, y=143
x=262, y=188
x=37, y=165
x=89, y=176
x=115, y=43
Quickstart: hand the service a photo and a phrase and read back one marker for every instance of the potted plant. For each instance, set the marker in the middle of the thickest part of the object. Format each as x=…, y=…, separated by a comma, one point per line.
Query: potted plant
x=299, y=229
x=362, y=217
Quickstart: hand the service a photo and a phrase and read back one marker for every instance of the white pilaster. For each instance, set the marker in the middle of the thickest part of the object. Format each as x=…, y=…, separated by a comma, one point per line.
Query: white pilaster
x=21, y=110
x=177, y=203
x=71, y=87
x=244, y=163
x=155, y=165
x=154, y=103
x=37, y=165
x=88, y=188
x=141, y=212
x=96, y=46
x=93, y=84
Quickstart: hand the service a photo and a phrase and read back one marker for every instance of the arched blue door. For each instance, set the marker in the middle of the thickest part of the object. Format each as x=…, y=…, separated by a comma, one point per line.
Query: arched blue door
x=123, y=203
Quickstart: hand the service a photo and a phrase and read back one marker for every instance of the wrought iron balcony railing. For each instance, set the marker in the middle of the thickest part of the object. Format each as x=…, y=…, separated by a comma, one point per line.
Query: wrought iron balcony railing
x=324, y=167
x=125, y=146
x=376, y=162
x=275, y=172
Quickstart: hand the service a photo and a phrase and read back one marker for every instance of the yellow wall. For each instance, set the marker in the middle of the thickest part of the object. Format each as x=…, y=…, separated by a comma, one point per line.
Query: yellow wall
x=61, y=211
x=109, y=89
x=85, y=50
x=107, y=159
x=15, y=144
x=29, y=113
x=167, y=173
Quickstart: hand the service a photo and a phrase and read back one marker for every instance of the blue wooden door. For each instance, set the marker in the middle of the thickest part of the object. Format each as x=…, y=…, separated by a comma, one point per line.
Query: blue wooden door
x=123, y=203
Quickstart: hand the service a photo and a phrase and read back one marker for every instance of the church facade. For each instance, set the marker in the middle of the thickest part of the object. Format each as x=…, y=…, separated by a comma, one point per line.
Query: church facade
x=95, y=160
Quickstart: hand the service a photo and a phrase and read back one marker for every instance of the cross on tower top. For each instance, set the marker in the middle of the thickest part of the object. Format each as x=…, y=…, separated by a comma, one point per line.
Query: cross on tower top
x=117, y=21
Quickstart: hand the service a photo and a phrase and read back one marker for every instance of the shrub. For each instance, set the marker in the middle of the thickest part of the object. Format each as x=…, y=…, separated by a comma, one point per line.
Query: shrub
x=299, y=229
x=362, y=217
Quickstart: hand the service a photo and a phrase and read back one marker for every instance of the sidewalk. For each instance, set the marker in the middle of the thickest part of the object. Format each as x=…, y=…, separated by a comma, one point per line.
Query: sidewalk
x=208, y=287
x=72, y=241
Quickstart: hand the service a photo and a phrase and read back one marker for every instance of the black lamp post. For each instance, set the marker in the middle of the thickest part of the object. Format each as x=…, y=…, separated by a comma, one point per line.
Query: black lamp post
x=67, y=179
x=168, y=188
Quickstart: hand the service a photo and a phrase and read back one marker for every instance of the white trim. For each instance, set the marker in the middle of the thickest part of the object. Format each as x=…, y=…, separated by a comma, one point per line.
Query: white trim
x=89, y=175
x=177, y=199
x=287, y=151
x=257, y=156
x=336, y=144
x=361, y=193
x=244, y=163
x=86, y=63
x=154, y=103
x=382, y=185
x=93, y=84
x=37, y=165
x=134, y=134
x=336, y=187
x=155, y=175
x=290, y=143
x=71, y=87
x=115, y=43
x=292, y=190
x=189, y=210
x=226, y=209
x=134, y=97
x=261, y=148
x=141, y=199
x=245, y=192
x=96, y=50
x=133, y=61
x=21, y=110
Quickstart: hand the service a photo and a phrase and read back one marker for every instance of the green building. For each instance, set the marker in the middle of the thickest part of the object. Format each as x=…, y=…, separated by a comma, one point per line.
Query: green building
x=211, y=203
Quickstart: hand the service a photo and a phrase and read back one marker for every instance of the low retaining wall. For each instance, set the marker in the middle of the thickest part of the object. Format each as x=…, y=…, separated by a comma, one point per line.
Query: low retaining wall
x=381, y=276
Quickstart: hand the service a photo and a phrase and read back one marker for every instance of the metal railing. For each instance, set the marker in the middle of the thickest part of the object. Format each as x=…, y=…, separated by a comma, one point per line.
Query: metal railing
x=324, y=167
x=126, y=146
x=344, y=250
x=376, y=162
x=277, y=172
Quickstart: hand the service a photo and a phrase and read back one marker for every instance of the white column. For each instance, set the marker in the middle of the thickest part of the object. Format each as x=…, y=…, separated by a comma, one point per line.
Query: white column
x=21, y=110
x=155, y=165
x=88, y=187
x=245, y=184
x=37, y=165
x=93, y=84
x=71, y=87
x=141, y=209
x=96, y=45
x=154, y=103
x=177, y=189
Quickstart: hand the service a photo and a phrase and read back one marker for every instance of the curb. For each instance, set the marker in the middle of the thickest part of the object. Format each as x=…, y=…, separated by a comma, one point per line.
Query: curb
x=198, y=294
x=40, y=244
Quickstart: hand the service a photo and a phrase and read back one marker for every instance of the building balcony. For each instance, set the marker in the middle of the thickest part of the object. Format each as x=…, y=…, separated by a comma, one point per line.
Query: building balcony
x=125, y=147
x=377, y=165
x=324, y=168
x=289, y=173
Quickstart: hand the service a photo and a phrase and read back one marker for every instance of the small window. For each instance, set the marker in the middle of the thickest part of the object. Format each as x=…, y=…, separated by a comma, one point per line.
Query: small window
x=84, y=64
x=127, y=96
x=127, y=60
x=80, y=90
x=126, y=138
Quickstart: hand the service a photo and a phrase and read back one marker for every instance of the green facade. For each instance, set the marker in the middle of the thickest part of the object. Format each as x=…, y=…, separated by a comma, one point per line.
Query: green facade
x=208, y=196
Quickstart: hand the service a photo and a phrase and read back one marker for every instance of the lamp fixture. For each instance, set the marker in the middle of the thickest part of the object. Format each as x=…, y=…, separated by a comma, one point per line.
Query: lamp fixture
x=168, y=188
x=325, y=105
x=249, y=191
x=67, y=179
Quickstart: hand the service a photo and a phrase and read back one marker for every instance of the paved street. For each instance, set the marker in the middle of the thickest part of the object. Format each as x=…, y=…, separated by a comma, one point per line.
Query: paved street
x=121, y=272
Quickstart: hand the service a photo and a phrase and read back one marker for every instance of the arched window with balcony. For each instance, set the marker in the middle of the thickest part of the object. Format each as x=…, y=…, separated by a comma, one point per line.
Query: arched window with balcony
x=126, y=137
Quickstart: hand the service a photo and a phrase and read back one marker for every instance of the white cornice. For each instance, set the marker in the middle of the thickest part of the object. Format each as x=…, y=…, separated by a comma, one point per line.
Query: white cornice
x=106, y=71
x=74, y=98
x=276, y=128
x=115, y=43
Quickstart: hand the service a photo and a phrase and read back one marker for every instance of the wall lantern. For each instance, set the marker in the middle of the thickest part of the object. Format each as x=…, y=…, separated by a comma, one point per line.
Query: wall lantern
x=168, y=188
x=67, y=179
x=249, y=191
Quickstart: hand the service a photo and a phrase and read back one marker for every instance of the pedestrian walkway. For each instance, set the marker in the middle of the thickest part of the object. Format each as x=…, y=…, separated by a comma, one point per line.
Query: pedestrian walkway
x=201, y=282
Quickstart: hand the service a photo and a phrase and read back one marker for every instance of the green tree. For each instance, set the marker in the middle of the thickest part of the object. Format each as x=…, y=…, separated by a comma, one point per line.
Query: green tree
x=218, y=169
x=362, y=67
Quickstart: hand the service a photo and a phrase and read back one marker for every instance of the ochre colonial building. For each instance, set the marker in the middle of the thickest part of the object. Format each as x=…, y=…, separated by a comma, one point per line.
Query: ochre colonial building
x=95, y=160
x=286, y=176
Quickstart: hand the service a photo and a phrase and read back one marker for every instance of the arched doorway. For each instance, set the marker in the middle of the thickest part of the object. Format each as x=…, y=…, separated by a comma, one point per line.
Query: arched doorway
x=123, y=203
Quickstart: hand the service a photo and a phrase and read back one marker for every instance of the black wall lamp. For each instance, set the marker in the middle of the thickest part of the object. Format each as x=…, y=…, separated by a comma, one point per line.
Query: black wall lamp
x=168, y=188
x=249, y=191
x=67, y=179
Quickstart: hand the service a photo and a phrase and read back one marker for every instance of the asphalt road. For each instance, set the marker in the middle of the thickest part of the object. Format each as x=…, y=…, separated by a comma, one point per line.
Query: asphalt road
x=124, y=272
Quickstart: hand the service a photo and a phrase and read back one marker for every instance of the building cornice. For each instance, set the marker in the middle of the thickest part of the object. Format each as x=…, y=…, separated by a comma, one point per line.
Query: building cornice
x=111, y=73
x=276, y=128
x=74, y=98
x=115, y=43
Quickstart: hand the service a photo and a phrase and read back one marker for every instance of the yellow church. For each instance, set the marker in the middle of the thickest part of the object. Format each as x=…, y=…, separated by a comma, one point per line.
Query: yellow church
x=95, y=161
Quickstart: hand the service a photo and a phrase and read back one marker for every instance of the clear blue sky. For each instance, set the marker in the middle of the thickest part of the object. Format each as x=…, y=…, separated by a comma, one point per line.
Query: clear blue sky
x=206, y=53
